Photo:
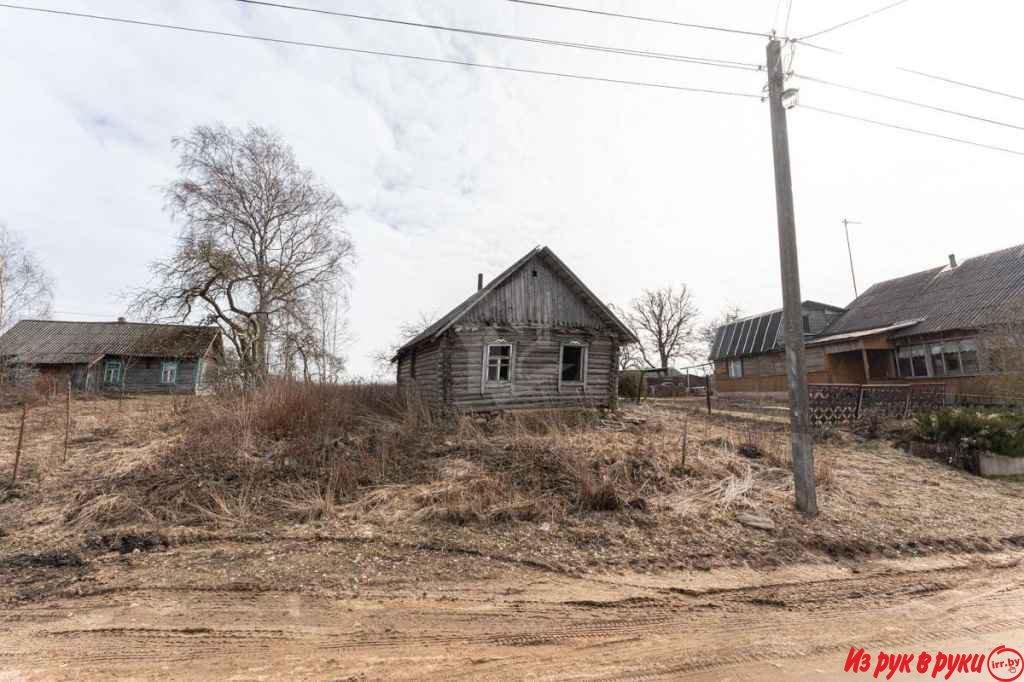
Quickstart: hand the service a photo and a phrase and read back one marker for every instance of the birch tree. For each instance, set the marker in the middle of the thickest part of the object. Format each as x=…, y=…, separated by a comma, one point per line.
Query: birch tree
x=26, y=290
x=261, y=241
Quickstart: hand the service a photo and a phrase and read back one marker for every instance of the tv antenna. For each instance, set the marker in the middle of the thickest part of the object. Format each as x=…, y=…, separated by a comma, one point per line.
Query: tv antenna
x=846, y=226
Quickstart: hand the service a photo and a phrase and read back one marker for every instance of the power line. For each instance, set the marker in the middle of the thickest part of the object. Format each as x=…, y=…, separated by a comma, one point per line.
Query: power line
x=398, y=55
x=911, y=130
x=910, y=102
x=707, y=61
x=923, y=74
x=653, y=20
x=856, y=19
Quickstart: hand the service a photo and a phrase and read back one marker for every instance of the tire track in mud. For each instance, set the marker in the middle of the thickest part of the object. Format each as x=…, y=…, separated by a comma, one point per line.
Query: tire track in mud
x=657, y=625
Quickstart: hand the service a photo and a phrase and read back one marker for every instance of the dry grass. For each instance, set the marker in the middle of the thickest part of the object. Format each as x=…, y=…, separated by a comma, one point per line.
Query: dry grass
x=617, y=486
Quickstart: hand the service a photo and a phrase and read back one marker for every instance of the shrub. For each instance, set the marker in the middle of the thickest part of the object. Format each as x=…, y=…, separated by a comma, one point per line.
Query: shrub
x=630, y=382
x=999, y=433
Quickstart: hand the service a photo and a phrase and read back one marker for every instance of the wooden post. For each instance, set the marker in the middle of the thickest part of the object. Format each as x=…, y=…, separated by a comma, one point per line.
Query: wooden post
x=21, y=438
x=686, y=434
x=867, y=365
x=801, y=442
x=67, y=420
x=707, y=390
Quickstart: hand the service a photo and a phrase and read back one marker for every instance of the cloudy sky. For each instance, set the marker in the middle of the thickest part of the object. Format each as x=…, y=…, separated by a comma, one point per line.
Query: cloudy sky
x=449, y=171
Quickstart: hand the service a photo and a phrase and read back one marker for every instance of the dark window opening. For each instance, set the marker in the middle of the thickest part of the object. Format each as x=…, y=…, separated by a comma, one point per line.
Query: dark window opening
x=412, y=364
x=572, y=363
x=807, y=324
x=534, y=273
x=499, y=362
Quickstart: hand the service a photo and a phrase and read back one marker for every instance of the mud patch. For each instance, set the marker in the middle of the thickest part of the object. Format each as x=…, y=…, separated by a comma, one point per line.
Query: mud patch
x=43, y=560
x=126, y=543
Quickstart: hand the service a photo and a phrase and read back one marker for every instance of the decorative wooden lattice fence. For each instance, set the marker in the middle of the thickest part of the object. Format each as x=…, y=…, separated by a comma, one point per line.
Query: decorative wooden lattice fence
x=832, y=404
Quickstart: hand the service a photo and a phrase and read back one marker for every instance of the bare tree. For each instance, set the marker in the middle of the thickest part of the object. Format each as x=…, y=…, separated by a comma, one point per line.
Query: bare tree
x=406, y=332
x=664, y=320
x=707, y=333
x=309, y=346
x=261, y=242
x=26, y=290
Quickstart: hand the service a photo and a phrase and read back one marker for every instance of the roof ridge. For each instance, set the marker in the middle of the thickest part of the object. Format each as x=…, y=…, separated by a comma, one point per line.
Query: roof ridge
x=126, y=322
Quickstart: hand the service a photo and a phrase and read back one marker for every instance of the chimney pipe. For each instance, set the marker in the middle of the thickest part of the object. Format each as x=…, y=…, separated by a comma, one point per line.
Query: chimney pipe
x=479, y=281
x=952, y=260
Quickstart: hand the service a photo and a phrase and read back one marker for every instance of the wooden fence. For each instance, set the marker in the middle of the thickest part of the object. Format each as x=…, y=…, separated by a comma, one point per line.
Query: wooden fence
x=832, y=404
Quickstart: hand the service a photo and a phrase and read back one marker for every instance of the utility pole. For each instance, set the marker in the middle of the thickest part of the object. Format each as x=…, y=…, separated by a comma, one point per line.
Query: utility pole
x=846, y=226
x=800, y=436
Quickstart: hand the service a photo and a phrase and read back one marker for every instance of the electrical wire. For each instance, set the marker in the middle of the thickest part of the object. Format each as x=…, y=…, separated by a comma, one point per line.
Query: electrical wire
x=398, y=55
x=653, y=20
x=911, y=130
x=910, y=102
x=923, y=74
x=707, y=61
x=855, y=19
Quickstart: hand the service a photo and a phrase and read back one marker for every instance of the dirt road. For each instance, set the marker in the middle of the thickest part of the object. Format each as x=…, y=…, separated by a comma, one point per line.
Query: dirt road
x=185, y=614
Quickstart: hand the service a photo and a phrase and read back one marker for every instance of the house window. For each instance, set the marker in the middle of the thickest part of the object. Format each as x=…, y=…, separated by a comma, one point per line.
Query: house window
x=807, y=324
x=919, y=361
x=950, y=358
x=498, y=362
x=938, y=361
x=112, y=372
x=412, y=363
x=168, y=372
x=969, y=356
x=736, y=369
x=572, y=363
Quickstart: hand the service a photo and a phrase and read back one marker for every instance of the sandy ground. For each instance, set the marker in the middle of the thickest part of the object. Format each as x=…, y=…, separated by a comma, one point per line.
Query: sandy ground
x=126, y=617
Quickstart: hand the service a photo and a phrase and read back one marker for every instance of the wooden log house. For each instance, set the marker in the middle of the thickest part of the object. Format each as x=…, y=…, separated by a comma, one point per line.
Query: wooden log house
x=534, y=337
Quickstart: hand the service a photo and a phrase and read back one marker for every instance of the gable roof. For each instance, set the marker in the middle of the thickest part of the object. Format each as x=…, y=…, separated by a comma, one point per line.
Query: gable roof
x=446, y=321
x=48, y=342
x=757, y=334
x=980, y=291
x=748, y=336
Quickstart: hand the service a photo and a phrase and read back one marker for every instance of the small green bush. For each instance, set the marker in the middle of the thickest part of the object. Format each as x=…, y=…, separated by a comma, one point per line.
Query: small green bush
x=631, y=381
x=999, y=433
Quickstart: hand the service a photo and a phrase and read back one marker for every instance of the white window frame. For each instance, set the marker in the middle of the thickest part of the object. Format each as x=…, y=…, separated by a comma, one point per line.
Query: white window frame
x=948, y=347
x=485, y=382
x=166, y=365
x=584, y=364
x=736, y=368
x=113, y=378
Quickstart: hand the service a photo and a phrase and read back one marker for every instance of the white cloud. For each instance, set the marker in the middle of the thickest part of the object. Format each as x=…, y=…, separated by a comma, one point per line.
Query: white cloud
x=451, y=171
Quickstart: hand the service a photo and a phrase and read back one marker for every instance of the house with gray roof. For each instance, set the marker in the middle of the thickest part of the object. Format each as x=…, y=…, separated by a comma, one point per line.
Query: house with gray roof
x=123, y=356
x=535, y=336
x=937, y=326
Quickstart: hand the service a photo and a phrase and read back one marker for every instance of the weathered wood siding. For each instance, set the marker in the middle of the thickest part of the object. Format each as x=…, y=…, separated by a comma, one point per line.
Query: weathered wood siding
x=426, y=383
x=767, y=373
x=536, y=367
x=535, y=295
x=142, y=375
